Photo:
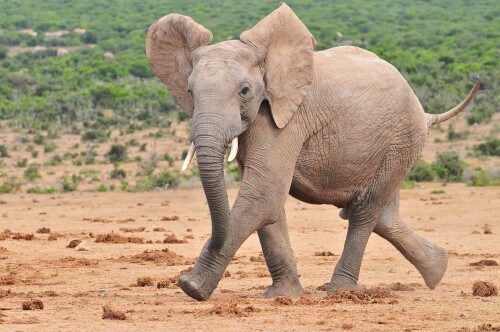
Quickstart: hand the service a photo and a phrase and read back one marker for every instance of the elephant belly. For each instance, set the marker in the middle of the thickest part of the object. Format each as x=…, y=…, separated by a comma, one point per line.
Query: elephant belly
x=334, y=168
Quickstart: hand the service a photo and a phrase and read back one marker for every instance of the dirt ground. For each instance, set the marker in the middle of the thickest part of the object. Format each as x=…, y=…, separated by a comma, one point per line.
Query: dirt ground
x=121, y=271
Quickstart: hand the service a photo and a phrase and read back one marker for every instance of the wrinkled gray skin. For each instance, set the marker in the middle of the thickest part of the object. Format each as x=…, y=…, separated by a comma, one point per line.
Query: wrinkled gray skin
x=339, y=127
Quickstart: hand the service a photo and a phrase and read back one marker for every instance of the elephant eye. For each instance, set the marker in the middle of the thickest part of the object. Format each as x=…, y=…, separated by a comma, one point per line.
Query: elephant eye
x=244, y=91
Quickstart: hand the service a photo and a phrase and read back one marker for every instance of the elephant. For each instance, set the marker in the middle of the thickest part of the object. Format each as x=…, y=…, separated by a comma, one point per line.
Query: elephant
x=339, y=126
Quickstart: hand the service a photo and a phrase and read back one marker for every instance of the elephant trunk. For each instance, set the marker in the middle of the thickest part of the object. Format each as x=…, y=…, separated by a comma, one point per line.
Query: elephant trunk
x=211, y=143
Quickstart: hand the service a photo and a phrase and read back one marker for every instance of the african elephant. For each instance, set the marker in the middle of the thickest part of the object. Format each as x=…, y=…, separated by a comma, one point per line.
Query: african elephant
x=339, y=127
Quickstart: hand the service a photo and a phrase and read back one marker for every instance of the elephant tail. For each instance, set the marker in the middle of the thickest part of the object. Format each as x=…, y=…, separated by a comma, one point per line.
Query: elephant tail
x=438, y=118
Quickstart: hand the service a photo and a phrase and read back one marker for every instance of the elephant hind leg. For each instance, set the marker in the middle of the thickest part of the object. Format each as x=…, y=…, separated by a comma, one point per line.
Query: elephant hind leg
x=429, y=259
x=280, y=259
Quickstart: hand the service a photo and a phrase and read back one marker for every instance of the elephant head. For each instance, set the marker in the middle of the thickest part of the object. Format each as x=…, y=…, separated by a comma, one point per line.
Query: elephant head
x=222, y=87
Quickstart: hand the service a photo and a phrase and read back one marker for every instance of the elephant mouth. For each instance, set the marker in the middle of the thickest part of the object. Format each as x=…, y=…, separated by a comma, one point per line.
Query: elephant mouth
x=192, y=151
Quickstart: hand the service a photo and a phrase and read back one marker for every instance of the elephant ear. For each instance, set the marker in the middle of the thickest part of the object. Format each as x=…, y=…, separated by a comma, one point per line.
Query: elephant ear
x=285, y=49
x=169, y=44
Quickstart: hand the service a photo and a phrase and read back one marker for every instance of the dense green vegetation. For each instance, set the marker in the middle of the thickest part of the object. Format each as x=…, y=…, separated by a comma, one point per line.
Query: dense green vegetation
x=436, y=44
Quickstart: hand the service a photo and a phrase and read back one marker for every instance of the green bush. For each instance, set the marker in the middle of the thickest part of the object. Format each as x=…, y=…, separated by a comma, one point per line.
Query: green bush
x=54, y=161
x=118, y=173
x=99, y=135
x=9, y=186
x=118, y=152
x=42, y=191
x=22, y=163
x=234, y=171
x=489, y=148
x=49, y=147
x=102, y=188
x=421, y=171
x=32, y=172
x=448, y=166
x=70, y=183
x=480, y=177
x=456, y=135
x=3, y=151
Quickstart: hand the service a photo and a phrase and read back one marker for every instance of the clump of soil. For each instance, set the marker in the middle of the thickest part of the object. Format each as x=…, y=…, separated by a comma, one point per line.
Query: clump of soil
x=323, y=287
x=23, y=236
x=484, y=288
x=172, y=218
x=487, y=229
x=33, y=305
x=165, y=283
x=10, y=279
x=145, y=281
x=259, y=258
x=103, y=220
x=164, y=257
x=158, y=229
x=53, y=237
x=132, y=230
x=43, y=230
x=173, y=239
x=324, y=253
x=3, y=236
x=109, y=313
x=2, y=250
x=484, y=262
x=306, y=300
x=71, y=262
x=399, y=287
x=283, y=300
x=231, y=308
x=116, y=238
x=359, y=296
x=2, y=316
x=74, y=244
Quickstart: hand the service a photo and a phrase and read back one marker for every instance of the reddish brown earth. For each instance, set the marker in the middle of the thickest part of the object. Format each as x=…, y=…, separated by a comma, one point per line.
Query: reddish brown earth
x=123, y=270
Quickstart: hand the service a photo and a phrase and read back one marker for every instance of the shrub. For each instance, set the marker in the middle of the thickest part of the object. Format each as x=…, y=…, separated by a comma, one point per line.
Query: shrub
x=54, y=161
x=491, y=147
x=3, y=151
x=118, y=173
x=32, y=172
x=234, y=172
x=39, y=139
x=40, y=191
x=456, y=135
x=407, y=184
x=9, y=186
x=421, y=171
x=34, y=154
x=168, y=158
x=49, y=147
x=95, y=135
x=70, y=183
x=118, y=152
x=448, y=166
x=481, y=177
x=102, y=188
x=22, y=163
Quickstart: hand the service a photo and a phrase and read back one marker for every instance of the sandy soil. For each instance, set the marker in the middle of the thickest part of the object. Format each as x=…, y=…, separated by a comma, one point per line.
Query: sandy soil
x=74, y=284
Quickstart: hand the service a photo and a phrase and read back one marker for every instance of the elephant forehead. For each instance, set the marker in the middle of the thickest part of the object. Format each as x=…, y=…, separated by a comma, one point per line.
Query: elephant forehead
x=231, y=50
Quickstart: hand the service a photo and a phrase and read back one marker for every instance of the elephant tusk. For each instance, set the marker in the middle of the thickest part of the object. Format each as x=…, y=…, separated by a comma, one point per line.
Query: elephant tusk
x=189, y=157
x=234, y=149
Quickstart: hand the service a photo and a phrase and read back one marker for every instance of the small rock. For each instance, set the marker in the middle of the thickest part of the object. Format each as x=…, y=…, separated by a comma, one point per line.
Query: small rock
x=33, y=305
x=484, y=288
x=74, y=244
x=109, y=313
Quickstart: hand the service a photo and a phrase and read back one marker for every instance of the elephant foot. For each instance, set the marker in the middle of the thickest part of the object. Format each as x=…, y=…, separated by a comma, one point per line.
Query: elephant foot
x=193, y=287
x=290, y=289
x=341, y=282
x=433, y=267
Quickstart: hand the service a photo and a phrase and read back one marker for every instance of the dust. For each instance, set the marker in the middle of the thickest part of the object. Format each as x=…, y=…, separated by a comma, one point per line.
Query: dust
x=484, y=262
x=163, y=257
x=399, y=287
x=484, y=289
x=33, y=304
x=109, y=313
x=116, y=238
x=361, y=296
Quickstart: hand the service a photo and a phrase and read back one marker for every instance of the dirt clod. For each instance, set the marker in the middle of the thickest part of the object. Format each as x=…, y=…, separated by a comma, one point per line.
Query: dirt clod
x=484, y=288
x=484, y=262
x=399, y=287
x=109, y=313
x=324, y=253
x=33, y=304
x=231, y=308
x=23, y=236
x=172, y=218
x=145, y=281
x=158, y=229
x=306, y=300
x=173, y=239
x=283, y=300
x=164, y=257
x=43, y=230
x=74, y=244
x=132, y=230
x=117, y=238
x=53, y=237
x=165, y=283
x=3, y=250
x=359, y=296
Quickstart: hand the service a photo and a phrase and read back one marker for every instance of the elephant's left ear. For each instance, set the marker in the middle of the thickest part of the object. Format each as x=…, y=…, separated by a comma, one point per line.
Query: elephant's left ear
x=285, y=49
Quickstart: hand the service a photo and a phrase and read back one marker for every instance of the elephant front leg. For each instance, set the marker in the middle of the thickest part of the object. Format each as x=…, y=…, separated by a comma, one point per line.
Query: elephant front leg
x=280, y=259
